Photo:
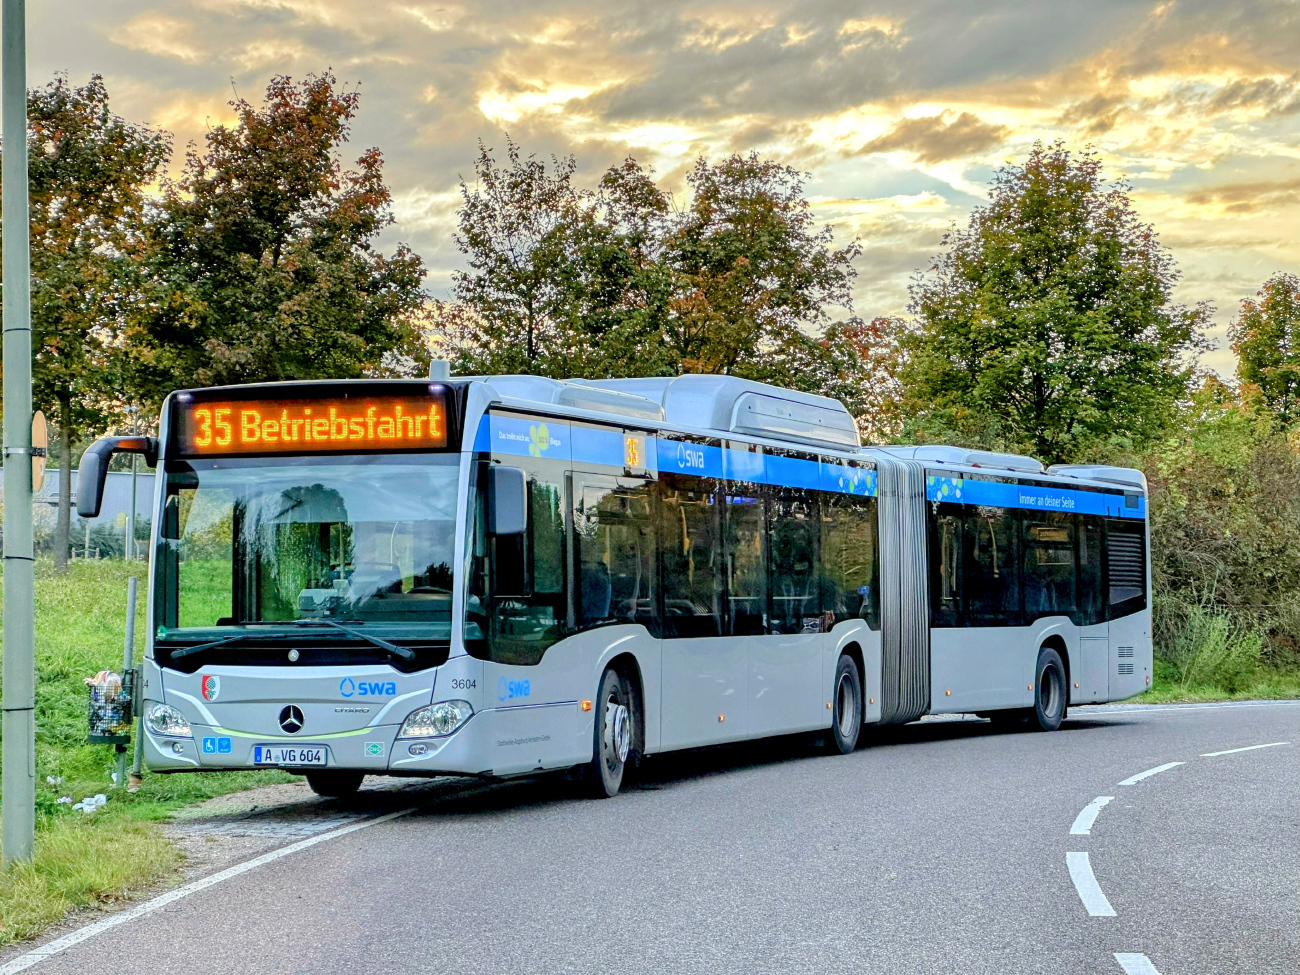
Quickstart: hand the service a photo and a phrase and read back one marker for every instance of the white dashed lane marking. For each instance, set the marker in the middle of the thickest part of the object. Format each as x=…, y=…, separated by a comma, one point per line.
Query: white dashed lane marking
x=1135, y=779
x=1085, y=883
x=1135, y=963
x=1083, y=822
x=1248, y=748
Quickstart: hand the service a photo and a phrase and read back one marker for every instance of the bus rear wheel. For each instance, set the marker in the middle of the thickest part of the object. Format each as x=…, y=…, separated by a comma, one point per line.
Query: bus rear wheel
x=846, y=708
x=335, y=784
x=613, y=736
x=1050, y=694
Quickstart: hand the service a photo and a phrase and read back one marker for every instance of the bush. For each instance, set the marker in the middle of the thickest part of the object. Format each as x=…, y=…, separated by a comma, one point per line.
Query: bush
x=1208, y=646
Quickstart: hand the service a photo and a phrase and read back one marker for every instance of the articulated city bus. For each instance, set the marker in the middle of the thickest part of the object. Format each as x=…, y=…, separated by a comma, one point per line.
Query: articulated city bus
x=497, y=576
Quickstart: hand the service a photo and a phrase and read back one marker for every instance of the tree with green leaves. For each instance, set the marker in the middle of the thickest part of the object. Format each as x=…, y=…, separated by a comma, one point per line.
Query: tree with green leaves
x=88, y=170
x=754, y=278
x=562, y=281
x=613, y=281
x=1047, y=324
x=265, y=260
x=1266, y=338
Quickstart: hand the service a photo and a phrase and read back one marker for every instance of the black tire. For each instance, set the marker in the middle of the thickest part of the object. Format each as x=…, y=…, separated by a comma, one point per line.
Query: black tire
x=335, y=784
x=1051, y=691
x=614, y=731
x=846, y=708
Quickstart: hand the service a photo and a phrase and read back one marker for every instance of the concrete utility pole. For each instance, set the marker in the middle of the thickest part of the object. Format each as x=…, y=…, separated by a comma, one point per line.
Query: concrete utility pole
x=19, y=728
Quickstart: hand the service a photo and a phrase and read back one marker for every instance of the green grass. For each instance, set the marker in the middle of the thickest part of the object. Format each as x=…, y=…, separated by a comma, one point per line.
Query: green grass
x=1268, y=684
x=85, y=860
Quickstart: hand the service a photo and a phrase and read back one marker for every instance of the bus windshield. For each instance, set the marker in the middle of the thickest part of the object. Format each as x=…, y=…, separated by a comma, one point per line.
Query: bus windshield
x=346, y=539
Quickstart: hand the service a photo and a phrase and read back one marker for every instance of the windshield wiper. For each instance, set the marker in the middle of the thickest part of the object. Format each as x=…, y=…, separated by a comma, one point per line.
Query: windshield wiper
x=200, y=647
x=402, y=653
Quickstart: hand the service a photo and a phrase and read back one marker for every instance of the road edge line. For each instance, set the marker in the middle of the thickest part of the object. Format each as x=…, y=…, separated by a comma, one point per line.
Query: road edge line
x=60, y=945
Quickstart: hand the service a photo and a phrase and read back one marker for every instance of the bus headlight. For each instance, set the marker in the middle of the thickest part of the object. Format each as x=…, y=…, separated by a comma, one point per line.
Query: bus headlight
x=436, y=720
x=163, y=719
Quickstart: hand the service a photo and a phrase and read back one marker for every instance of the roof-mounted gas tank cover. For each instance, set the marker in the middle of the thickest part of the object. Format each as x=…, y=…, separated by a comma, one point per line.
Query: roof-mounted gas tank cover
x=966, y=457
x=727, y=404
x=1129, y=476
x=577, y=393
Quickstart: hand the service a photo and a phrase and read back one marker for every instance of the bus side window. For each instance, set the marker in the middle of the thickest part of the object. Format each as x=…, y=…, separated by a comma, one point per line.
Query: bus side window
x=991, y=585
x=690, y=551
x=615, y=545
x=746, y=565
x=945, y=563
x=1092, y=593
x=1048, y=561
x=529, y=614
x=794, y=525
x=850, y=558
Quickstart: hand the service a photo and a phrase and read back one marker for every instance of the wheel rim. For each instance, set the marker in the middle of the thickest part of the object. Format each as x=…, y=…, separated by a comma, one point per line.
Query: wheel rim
x=616, y=740
x=845, y=705
x=1049, y=692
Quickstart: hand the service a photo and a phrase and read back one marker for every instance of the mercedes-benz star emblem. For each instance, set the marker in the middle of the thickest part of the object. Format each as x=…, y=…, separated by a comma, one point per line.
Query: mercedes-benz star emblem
x=291, y=720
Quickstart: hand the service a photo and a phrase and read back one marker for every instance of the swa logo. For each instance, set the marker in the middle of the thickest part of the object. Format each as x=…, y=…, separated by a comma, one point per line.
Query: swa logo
x=507, y=689
x=350, y=688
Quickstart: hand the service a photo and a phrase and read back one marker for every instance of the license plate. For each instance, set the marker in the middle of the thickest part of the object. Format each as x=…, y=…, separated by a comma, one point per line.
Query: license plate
x=296, y=755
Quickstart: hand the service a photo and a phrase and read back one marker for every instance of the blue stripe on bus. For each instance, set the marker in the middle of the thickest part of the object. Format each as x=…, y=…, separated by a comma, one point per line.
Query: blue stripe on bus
x=526, y=437
x=1031, y=497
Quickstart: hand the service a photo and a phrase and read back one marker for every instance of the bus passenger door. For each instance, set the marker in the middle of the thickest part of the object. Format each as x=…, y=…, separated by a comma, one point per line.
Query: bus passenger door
x=705, y=672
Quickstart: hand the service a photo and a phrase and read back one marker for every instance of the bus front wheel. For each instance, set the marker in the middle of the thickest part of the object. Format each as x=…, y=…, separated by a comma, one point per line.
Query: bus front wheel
x=846, y=708
x=1051, y=692
x=613, y=736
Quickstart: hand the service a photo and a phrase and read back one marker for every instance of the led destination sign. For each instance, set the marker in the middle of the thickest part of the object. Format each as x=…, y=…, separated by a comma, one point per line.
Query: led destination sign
x=310, y=425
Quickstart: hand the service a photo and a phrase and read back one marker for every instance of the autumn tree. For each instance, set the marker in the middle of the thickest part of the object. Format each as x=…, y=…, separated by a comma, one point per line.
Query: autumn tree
x=1047, y=324
x=87, y=173
x=267, y=267
x=1266, y=338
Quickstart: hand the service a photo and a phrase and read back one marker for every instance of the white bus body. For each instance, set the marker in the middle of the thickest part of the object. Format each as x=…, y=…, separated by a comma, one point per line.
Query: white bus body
x=718, y=543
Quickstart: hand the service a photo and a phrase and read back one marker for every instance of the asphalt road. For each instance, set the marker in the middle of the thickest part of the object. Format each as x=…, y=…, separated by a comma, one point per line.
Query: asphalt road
x=936, y=847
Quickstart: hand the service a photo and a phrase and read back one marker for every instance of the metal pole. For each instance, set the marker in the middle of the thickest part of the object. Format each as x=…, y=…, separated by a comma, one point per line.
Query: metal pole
x=19, y=725
x=130, y=518
x=128, y=551
x=127, y=654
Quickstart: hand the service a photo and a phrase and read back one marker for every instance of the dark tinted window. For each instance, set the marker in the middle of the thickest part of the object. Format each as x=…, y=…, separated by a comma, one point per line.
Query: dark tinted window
x=615, y=543
x=518, y=585
x=691, y=552
x=945, y=564
x=990, y=590
x=1048, y=579
x=746, y=568
x=1092, y=590
x=793, y=530
x=850, y=558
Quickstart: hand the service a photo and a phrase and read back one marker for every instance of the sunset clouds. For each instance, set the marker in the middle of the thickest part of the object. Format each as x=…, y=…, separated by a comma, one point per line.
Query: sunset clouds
x=901, y=111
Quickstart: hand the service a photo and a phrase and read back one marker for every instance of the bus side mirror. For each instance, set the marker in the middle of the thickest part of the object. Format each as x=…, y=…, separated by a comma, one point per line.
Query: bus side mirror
x=507, y=501
x=93, y=472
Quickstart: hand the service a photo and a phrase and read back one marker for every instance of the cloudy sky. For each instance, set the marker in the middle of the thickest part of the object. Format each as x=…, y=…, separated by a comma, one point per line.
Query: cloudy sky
x=901, y=111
